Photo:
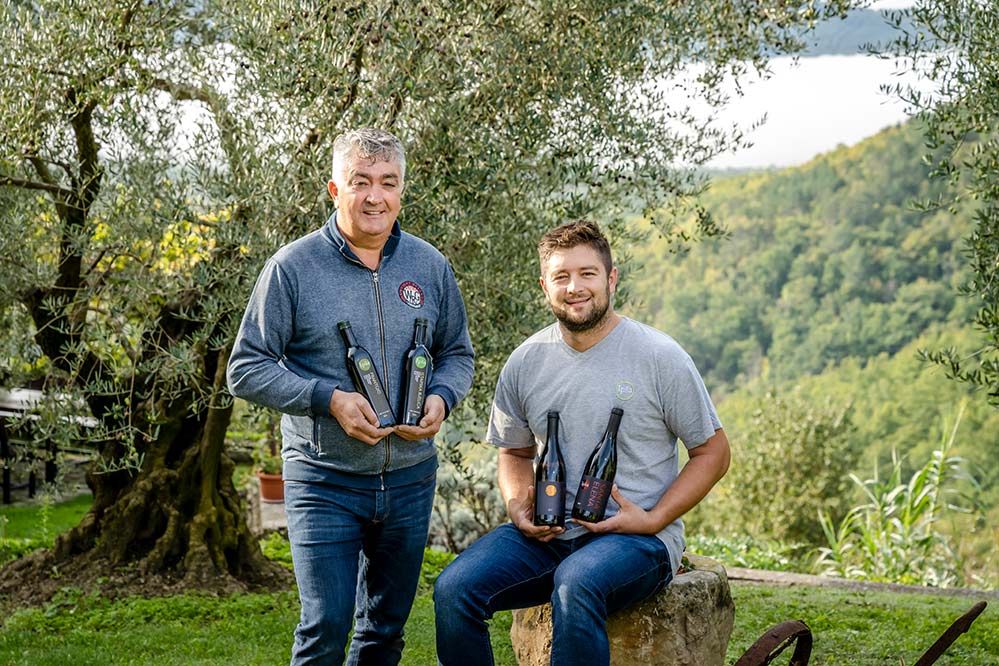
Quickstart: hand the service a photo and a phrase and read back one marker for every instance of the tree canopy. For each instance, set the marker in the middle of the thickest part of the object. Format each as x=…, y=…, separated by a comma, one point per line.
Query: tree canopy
x=154, y=154
x=954, y=44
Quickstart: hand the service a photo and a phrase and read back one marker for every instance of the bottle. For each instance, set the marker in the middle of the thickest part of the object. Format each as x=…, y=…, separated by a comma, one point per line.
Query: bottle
x=598, y=475
x=418, y=367
x=549, y=480
x=362, y=370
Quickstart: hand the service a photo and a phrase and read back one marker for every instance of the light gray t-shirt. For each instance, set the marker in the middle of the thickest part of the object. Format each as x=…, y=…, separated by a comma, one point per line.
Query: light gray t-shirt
x=637, y=368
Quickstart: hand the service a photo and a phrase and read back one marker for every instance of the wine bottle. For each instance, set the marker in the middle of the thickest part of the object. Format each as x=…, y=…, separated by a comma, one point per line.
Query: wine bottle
x=598, y=475
x=549, y=480
x=362, y=370
x=418, y=367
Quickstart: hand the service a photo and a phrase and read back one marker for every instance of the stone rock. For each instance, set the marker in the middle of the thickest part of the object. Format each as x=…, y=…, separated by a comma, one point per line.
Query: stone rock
x=687, y=624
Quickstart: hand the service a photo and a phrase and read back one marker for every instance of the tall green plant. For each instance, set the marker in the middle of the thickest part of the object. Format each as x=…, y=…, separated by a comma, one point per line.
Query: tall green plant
x=895, y=535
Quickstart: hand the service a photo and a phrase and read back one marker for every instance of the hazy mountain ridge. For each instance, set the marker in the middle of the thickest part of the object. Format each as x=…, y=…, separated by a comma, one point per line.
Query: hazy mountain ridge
x=851, y=35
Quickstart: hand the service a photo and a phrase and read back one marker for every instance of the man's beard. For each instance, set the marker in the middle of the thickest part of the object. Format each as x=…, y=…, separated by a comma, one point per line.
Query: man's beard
x=591, y=320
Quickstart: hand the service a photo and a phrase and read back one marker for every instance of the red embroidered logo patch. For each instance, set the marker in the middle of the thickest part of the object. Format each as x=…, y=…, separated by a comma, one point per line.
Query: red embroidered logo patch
x=411, y=294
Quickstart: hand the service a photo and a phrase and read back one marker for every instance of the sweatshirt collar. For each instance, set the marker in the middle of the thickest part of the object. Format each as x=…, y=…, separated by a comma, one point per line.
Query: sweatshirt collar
x=332, y=232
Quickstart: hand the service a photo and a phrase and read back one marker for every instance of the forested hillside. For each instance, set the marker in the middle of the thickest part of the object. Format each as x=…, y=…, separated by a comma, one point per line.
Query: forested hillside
x=823, y=262
x=807, y=321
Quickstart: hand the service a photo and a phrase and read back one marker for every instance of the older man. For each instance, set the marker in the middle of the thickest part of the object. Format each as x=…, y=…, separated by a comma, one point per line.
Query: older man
x=589, y=362
x=358, y=496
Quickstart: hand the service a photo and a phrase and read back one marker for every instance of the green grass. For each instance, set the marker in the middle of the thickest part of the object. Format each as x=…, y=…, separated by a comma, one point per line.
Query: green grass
x=865, y=628
x=855, y=628
x=24, y=528
x=190, y=629
x=850, y=628
x=30, y=521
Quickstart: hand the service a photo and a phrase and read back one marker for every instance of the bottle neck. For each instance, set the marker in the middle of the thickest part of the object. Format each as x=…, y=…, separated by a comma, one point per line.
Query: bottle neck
x=552, y=427
x=613, y=424
x=348, y=337
x=420, y=333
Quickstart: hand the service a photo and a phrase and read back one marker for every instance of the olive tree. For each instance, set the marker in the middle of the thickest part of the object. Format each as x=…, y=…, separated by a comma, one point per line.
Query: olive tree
x=155, y=154
x=953, y=45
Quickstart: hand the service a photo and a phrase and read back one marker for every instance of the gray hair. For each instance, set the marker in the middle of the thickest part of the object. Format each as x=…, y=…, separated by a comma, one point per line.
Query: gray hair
x=369, y=143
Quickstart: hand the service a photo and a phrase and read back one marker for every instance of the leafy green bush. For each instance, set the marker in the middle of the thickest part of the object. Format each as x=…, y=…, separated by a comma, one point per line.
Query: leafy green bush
x=434, y=562
x=276, y=547
x=894, y=536
x=789, y=462
x=13, y=548
x=745, y=551
x=468, y=502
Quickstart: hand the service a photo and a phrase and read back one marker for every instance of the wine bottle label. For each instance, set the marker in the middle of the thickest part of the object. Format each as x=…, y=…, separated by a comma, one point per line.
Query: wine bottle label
x=593, y=495
x=549, y=498
x=418, y=384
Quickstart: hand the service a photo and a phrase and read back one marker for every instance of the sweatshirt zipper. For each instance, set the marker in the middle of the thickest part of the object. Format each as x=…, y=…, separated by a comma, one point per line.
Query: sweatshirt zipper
x=381, y=333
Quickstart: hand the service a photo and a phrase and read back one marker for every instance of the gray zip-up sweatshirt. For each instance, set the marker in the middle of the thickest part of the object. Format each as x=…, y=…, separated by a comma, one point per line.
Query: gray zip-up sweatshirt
x=289, y=355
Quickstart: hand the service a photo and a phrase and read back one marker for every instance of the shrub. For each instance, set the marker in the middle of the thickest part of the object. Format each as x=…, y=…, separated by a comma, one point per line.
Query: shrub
x=276, y=547
x=894, y=535
x=745, y=551
x=788, y=464
x=434, y=562
x=468, y=503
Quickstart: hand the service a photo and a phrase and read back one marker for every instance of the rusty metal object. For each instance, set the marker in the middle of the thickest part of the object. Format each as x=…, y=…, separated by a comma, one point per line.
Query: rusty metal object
x=780, y=637
x=777, y=639
x=954, y=631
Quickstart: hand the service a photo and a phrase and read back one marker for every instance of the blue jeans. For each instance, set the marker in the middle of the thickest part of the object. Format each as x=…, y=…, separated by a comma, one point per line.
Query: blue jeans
x=586, y=579
x=355, y=548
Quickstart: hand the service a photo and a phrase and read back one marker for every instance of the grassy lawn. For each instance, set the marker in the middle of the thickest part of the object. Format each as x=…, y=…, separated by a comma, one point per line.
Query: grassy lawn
x=856, y=628
x=40, y=518
x=865, y=628
x=245, y=629
x=27, y=527
x=849, y=628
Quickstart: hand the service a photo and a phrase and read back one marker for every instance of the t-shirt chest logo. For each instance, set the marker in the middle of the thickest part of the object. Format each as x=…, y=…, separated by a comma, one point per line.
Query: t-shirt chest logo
x=411, y=294
x=624, y=390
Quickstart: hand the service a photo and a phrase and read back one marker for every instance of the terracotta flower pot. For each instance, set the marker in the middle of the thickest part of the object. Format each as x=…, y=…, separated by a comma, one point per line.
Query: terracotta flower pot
x=271, y=487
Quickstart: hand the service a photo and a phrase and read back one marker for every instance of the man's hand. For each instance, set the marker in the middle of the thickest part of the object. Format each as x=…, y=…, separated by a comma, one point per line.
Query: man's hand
x=630, y=518
x=430, y=424
x=355, y=416
x=522, y=516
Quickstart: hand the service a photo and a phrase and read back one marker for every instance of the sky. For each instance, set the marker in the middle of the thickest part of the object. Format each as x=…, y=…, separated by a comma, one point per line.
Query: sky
x=815, y=104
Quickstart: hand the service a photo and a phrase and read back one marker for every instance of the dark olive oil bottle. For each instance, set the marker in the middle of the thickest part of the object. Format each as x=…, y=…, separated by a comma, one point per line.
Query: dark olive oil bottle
x=362, y=370
x=419, y=365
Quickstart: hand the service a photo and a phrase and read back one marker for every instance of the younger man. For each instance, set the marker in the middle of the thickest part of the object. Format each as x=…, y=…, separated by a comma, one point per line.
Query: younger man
x=588, y=362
